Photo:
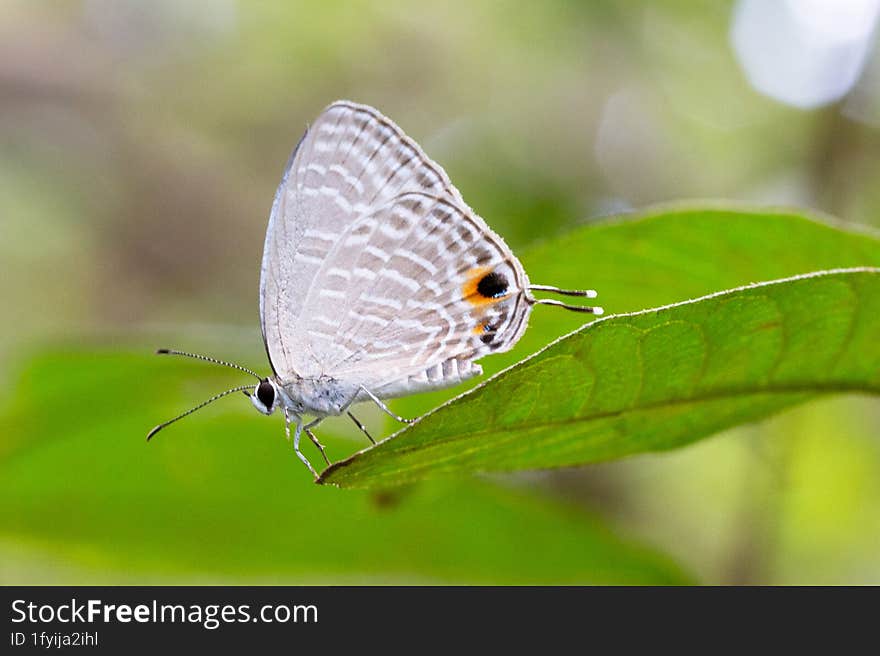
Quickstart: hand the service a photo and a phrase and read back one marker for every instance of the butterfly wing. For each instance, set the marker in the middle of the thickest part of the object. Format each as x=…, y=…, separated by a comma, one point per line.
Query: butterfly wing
x=413, y=293
x=350, y=161
x=375, y=271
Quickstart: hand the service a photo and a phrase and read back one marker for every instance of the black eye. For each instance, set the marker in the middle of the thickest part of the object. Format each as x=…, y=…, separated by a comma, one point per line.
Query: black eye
x=266, y=393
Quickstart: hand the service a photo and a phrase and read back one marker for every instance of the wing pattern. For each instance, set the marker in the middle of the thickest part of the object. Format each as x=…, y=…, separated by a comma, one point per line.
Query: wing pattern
x=375, y=271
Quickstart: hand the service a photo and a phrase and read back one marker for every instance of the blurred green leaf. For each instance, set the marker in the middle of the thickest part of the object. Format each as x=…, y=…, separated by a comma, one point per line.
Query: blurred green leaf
x=648, y=381
x=87, y=500
x=675, y=252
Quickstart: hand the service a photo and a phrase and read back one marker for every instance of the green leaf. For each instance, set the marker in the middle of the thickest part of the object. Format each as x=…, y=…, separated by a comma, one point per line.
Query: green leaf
x=668, y=254
x=221, y=498
x=647, y=381
x=672, y=253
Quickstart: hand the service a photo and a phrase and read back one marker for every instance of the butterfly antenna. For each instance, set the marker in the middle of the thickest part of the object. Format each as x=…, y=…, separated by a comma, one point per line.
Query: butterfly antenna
x=198, y=407
x=208, y=359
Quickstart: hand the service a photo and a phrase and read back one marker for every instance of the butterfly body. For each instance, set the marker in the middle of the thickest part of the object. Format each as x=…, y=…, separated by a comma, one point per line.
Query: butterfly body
x=324, y=396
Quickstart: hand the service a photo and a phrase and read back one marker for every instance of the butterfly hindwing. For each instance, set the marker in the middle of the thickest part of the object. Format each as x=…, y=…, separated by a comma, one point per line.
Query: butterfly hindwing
x=417, y=291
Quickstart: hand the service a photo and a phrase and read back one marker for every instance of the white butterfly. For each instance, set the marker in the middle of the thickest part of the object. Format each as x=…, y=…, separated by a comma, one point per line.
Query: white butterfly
x=378, y=280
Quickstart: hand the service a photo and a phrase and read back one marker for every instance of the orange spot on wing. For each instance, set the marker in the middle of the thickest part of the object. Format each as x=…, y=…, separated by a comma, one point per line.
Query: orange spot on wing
x=469, y=288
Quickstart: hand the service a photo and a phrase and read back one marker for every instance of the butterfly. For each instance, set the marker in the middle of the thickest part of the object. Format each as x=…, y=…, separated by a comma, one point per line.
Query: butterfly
x=377, y=281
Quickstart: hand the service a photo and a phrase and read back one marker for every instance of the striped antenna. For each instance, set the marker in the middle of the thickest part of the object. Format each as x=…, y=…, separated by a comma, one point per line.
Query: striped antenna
x=206, y=358
x=198, y=407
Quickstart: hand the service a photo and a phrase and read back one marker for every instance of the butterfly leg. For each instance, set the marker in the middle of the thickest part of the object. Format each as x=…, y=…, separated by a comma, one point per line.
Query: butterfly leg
x=384, y=407
x=296, y=435
x=320, y=446
x=361, y=426
x=308, y=429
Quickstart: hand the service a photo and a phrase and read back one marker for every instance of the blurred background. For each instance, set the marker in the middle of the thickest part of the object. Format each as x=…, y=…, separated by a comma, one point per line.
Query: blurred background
x=140, y=147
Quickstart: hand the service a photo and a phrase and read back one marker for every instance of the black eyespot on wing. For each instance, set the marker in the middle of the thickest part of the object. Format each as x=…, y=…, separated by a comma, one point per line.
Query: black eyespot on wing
x=266, y=393
x=490, y=331
x=492, y=285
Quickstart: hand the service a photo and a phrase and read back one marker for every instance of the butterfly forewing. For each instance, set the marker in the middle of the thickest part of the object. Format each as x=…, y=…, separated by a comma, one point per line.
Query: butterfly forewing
x=375, y=271
x=349, y=160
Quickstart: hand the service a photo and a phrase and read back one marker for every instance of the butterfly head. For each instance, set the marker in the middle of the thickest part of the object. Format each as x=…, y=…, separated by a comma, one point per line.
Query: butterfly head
x=265, y=396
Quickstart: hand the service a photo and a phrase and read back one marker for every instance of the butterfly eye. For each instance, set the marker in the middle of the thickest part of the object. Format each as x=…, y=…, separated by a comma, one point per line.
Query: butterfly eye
x=266, y=393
